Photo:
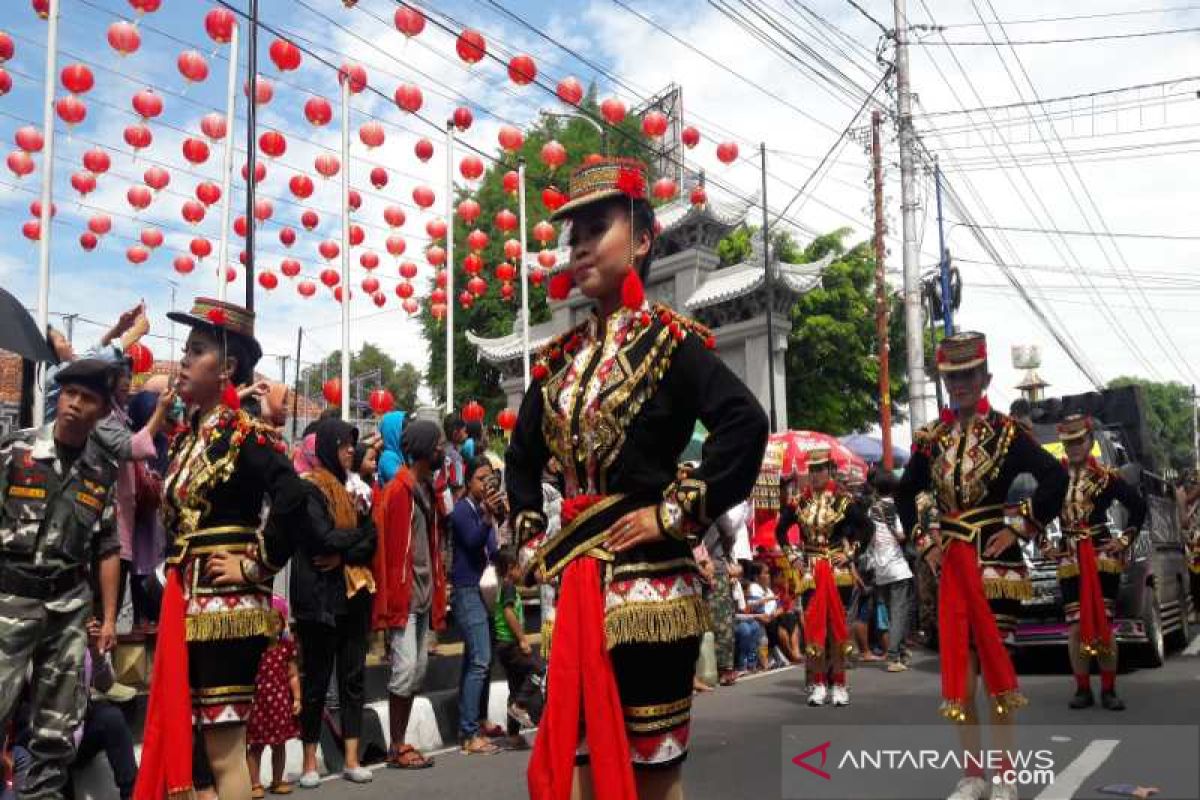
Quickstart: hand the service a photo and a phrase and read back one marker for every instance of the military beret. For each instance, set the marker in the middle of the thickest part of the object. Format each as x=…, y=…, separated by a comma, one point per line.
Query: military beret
x=92, y=373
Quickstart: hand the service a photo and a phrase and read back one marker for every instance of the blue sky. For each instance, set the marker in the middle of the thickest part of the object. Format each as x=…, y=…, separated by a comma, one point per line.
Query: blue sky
x=1085, y=281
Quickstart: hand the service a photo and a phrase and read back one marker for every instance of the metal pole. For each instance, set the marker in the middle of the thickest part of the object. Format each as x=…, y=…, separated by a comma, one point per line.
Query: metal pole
x=937, y=384
x=173, y=286
x=881, y=300
x=251, y=151
x=346, y=250
x=69, y=324
x=524, y=272
x=770, y=284
x=915, y=349
x=450, y=266
x=296, y=392
x=227, y=164
x=43, y=303
x=943, y=260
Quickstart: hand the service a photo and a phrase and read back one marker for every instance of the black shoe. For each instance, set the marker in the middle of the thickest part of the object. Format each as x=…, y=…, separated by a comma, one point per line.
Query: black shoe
x=1083, y=699
x=1111, y=702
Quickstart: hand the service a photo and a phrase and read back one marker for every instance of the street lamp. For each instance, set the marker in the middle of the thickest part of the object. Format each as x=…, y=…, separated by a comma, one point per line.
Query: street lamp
x=591, y=121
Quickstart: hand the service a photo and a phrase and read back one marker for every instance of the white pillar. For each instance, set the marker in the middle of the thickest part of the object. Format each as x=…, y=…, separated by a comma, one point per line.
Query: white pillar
x=346, y=250
x=524, y=273
x=227, y=165
x=450, y=267
x=43, y=301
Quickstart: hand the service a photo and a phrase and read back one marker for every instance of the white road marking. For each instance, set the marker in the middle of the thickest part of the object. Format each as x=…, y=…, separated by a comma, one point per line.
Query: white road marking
x=1193, y=648
x=1068, y=781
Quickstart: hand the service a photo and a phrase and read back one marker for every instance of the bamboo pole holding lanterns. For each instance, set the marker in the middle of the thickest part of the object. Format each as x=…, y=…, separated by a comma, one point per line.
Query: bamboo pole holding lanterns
x=346, y=249
x=43, y=301
x=227, y=163
x=524, y=273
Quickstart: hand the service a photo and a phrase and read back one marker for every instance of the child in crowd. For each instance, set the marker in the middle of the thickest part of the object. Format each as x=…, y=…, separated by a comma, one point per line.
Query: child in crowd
x=273, y=717
x=524, y=669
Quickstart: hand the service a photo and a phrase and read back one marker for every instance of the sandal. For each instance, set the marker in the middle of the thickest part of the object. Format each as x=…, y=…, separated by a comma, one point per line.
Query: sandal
x=408, y=757
x=479, y=746
x=257, y=792
x=281, y=787
x=491, y=730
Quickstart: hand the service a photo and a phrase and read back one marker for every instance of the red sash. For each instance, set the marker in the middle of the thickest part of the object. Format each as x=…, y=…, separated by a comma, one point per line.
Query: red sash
x=825, y=614
x=1095, y=633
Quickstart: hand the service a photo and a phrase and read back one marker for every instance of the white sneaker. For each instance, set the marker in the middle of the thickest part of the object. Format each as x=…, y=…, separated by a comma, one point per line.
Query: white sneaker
x=309, y=780
x=358, y=774
x=970, y=789
x=818, y=695
x=1004, y=791
x=840, y=695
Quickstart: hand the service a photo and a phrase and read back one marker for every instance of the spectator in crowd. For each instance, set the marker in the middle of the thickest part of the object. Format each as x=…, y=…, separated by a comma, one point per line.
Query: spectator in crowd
x=864, y=613
x=473, y=538
x=719, y=541
x=1022, y=413
x=391, y=456
x=476, y=441
x=104, y=728
x=331, y=588
x=109, y=349
x=893, y=579
x=783, y=630
x=411, y=594
x=456, y=435
x=522, y=667
x=149, y=539
x=277, y=701
x=361, y=479
x=754, y=610
x=304, y=456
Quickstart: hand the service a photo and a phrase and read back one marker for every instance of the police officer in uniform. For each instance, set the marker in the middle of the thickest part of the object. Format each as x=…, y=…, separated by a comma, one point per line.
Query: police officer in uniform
x=56, y=522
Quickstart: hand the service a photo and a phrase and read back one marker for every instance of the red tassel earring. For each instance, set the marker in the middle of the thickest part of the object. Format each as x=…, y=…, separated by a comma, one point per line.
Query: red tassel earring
x=633, y=294
x=983, y=406
x=560, y=284
x=229, y=397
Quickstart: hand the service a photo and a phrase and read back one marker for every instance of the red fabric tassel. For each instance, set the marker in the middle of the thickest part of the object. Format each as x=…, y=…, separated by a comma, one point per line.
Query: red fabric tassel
x=581, y=683
x=229, y=397
x=946, y=415
x=825, y=614
x=964, y=616
x=166, y=768
x=560, y=285
x=983, y=406
x=1095, y=634
x=633, y=294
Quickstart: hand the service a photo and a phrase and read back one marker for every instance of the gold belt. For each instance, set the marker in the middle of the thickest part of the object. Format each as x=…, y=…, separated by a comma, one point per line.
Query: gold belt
x=822, y=552
x=185, y=543
x=968, y=525
x=1075, y=534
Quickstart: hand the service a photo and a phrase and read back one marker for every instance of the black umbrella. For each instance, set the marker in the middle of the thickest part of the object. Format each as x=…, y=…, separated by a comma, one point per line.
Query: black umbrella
x=19, y=332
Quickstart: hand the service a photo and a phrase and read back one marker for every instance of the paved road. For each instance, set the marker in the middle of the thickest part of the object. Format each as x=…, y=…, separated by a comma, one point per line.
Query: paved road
x=736, y=734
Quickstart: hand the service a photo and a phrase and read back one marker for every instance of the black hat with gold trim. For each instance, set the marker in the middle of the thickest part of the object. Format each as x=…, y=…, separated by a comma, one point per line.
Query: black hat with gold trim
x=1074, y=427
x=602, y=179
x=961, y=352
x=220, y=317
x=819, y=458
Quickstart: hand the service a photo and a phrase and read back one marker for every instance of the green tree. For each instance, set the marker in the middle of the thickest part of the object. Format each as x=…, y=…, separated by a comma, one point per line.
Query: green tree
x=492, y=315
x=1168, y=419
x=402, y=380
x=832, y=359
x=736, y=248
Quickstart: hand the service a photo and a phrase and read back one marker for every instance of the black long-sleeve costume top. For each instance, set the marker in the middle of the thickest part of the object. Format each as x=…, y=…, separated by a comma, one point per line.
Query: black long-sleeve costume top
x=1092, y=488
x=619, y=424
x=969, y=472
x=829, y=519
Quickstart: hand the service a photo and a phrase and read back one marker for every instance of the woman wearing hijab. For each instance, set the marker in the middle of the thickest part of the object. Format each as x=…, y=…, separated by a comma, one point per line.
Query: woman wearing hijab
x=391, y=459
x=331, y=588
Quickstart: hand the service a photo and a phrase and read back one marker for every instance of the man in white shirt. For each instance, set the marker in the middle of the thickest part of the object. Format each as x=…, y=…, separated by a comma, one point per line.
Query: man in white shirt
x=893, y=578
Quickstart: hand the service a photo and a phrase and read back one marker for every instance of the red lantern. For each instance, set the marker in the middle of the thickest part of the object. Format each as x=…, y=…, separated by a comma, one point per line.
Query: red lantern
x=318, y=111
x=437, y=296
x=409, y=98
x=289, y=267
x=379, y=177
x=547, y=259
x=538, y=276
x=156, y=178
x=408, y=270
x=477, y=240
x=412, y=306
x=147, y=104
x=263, y=209
x=473, y=412
x=477, y=286
x=327, y=165
x=213, y=126
x=436, y=228
x=543, y=232
x=462, y=118
x=381, y=401
x=201, y=248
x=183, y=264
x=195, y=150
x=468, y=211
x=698, y=197
x=440, y=279
x=193, y=212
x=301, y=186
x=332, y=389
x=727, y=152
x=511, y=181
x=371, y=134
x=664, y=189
x=506, y=220
x=96, y=161
x=141, y=357
x=510, y=138
x=436, y=310
x=394, y=216
x=424, y=149
x=471, y=46
x=137, y=254
x=329, y=249
x=423, y=196
x=285, y=55
x=522, y=70
x=71, y=110
x=124, y=38
x=330, y=277
x=505, y=271
x=404, y=290
x=32, y=229
x=6, y=47
x=192, y=66
x=395, y=246
x=152, y=238
x=219, y=24
x=613, y=111
x=466, y=299
x=553, y=198
x=88, y=241
x=654, y=124
x=287, y=237
x=268, y=280
x=357, y=235
x=264, y=90
x=29, y=139
x=379, y=299
x=239, y=227
x=690, y=137
x=260, y=171
x=472, y=264
x=139, y=197
x=435, y=255
x=512, y=251
x=306, y=288
x=554, y=155
x=83, y=182
x=145, y=6
x=507, y=420
x=370, y=284
x=409, y=21
x=354, y=199
x=368, y=260
x=356, y=74
x=309, y=219
x=100, y=224
x=230, y=274
x=20, y=163
x=570, y=91
x=138, y=136
x=471, y=167
x=77, y=78
x=35, y=209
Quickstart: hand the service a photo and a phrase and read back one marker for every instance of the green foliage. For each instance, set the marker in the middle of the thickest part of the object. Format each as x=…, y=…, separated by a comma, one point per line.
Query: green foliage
x=735, y=248
x=402, y=380
x=491, y=315
x=1169, y=420
x=832, y=363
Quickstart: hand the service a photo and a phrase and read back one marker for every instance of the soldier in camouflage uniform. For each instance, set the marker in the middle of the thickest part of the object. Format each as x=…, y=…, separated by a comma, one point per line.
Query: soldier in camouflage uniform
x=56, y=521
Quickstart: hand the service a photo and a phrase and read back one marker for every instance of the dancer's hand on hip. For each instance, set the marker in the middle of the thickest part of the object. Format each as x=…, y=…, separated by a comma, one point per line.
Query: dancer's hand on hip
x=1003, y=540
x=636, y=527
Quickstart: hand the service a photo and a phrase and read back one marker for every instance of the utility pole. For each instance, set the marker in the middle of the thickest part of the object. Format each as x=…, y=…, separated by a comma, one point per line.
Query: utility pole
x=69, y=324
x=914, y=339
x=252, y=152
x=943, y=256
x=881, y=301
